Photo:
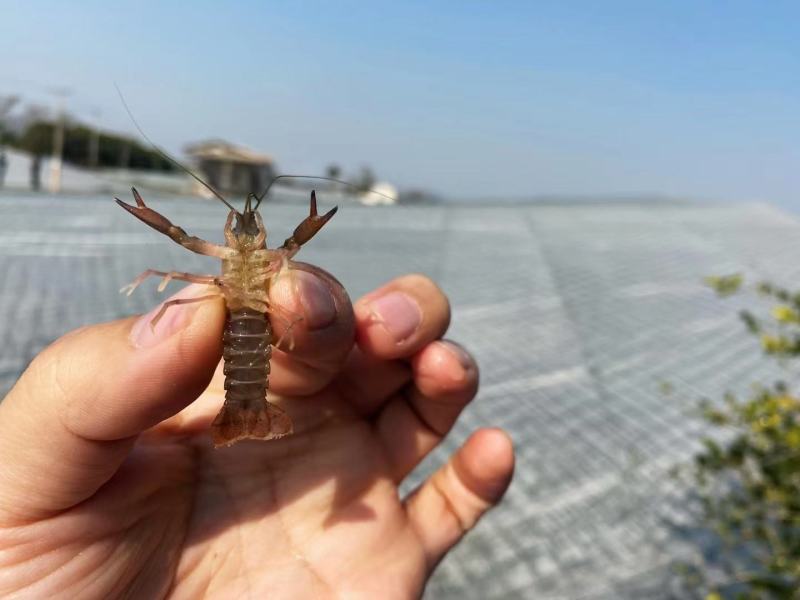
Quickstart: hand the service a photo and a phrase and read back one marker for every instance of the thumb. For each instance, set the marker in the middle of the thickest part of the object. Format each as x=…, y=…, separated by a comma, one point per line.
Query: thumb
x=75, y=412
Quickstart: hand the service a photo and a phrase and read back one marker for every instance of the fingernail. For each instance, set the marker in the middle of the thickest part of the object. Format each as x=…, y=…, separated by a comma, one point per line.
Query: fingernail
x=317, y=301
x=462, y=356
x=449, y=360
x=176, y=318
x=398, y=313
x=319, y=308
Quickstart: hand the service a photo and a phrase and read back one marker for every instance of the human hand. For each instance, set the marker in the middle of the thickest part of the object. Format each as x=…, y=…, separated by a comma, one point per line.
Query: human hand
x=110, y=487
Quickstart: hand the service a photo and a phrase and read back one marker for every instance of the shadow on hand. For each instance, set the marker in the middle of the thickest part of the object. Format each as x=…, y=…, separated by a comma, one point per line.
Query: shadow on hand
x=326, y=473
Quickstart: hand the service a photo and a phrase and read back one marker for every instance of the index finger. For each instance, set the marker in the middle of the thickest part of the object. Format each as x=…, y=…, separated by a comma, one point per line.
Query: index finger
x=312, y=317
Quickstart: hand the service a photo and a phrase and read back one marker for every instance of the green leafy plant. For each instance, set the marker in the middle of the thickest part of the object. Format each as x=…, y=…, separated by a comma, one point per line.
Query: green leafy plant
x=749, y=484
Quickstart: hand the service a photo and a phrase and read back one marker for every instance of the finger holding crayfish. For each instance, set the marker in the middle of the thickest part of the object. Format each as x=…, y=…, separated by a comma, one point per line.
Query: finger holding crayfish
x=322, y=336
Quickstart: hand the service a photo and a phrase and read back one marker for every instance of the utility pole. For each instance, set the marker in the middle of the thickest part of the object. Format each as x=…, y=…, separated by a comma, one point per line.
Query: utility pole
x=125, y=155
x=57, y=160
x=6, y=104
x=94, y=139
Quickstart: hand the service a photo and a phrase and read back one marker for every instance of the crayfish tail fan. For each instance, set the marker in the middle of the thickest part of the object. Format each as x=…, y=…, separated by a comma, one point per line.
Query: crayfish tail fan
x=236, y=423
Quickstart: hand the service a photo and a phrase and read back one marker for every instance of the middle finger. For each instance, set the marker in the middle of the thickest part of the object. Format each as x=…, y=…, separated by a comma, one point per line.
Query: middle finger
x=393, y=323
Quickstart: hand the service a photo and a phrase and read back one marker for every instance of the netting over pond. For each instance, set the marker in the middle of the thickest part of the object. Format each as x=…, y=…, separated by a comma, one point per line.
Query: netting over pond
x=594, y=332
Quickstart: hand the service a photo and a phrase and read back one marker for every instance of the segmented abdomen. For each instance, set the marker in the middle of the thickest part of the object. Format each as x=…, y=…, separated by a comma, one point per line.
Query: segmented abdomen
x=246, y=351
x=246, y=339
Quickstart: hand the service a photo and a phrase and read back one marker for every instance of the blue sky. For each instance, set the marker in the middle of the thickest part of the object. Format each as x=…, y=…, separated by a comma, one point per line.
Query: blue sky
x=512, y=99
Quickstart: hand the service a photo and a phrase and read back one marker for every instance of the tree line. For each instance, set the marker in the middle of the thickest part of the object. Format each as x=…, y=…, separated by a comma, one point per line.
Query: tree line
x=113, y=151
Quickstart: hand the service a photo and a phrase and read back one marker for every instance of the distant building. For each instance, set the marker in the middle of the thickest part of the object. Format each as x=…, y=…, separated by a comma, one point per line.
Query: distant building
x=231, y=168
x=380, y=194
